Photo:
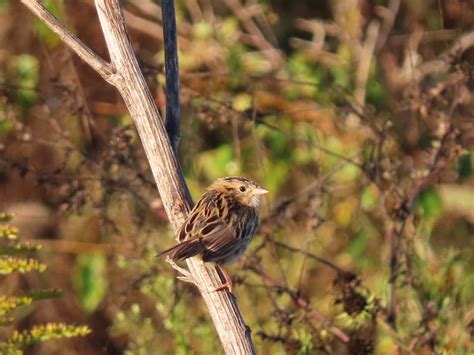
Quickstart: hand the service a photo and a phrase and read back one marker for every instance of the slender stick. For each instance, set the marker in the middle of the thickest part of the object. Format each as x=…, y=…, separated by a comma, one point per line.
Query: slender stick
x=172, y=72
x=84, y=52
x=127, y=78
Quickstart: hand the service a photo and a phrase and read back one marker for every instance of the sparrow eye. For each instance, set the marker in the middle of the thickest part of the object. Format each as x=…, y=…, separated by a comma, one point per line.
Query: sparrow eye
x=242, y=188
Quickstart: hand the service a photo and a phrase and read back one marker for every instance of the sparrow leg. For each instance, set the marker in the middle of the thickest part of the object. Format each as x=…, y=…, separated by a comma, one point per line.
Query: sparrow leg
x=228, y=280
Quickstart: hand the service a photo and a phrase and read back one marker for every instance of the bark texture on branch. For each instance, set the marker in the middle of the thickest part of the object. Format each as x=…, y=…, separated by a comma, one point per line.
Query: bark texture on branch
x=124, y=73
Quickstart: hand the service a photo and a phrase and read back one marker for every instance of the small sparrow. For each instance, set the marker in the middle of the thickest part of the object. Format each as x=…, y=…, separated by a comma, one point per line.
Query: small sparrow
x=221, y=225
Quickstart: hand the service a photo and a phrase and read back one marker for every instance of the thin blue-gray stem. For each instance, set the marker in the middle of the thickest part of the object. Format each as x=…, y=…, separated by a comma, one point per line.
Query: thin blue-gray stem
x=172, y=72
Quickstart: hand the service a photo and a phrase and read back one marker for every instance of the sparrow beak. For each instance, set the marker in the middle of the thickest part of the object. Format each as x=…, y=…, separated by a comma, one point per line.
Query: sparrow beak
x=259, y=191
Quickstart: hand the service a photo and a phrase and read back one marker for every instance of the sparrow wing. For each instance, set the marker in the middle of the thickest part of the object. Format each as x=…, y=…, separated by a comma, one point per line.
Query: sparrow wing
x=217, y=236
x=207, y=223
x=220, y=242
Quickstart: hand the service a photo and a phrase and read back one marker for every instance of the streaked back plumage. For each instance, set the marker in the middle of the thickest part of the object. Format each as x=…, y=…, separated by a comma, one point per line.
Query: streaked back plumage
x=221, y=224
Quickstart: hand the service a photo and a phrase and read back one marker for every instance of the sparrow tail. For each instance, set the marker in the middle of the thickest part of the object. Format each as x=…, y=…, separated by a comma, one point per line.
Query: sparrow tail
x=184, y=250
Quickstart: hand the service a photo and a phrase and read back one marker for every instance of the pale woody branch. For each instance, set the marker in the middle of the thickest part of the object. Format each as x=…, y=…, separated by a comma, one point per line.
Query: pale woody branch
x=85, y=53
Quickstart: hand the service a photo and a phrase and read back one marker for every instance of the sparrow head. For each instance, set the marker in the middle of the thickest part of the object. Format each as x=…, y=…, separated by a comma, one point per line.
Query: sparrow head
x=245, y=191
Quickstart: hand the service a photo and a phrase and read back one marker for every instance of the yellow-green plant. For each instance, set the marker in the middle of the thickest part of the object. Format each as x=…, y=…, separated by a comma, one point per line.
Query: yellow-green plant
x=11, y=261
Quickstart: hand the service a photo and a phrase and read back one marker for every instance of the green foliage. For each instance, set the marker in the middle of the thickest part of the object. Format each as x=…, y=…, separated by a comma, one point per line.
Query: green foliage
x=22, y=265
x=178, y=325
x=27, y=76
x=43, y=294
x=139, y=330
x=430, y=202
x=4, y=5
x=376, y=94
x=304, y=71
x=217, y=162
x=47, y=36
x=360, y=319
x=465, y=165
x=306, y=343
x=5, y=126
x=235, y=66
x=11, y=248
x=8, y=304
x=90, y=280
x=40, y=334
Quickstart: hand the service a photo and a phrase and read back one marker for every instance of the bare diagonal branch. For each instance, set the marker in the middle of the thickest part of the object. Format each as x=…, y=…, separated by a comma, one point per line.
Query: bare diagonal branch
x=84, y=52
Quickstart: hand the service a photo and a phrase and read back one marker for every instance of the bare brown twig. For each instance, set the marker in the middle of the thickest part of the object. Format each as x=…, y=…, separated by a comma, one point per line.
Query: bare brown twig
x=301, y=302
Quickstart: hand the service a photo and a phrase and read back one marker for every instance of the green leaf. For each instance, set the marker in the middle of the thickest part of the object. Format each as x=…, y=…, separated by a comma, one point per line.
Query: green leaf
x=376, y=94
x=6, y=126
x=358, y=244
x=27, y=76
x=236, y=66
x=217, y=162
x=369, y=198
x=40, y=334
x=465, y=164
x=234, y=59
x=430, y=202
x=47, y=36
x=37, y=295
x=11, y=248
x=90, y=280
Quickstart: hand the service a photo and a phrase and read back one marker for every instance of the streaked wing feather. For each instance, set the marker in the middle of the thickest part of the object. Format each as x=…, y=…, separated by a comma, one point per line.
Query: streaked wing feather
x=220, y=244
x=219, y=239
x=209, y=221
